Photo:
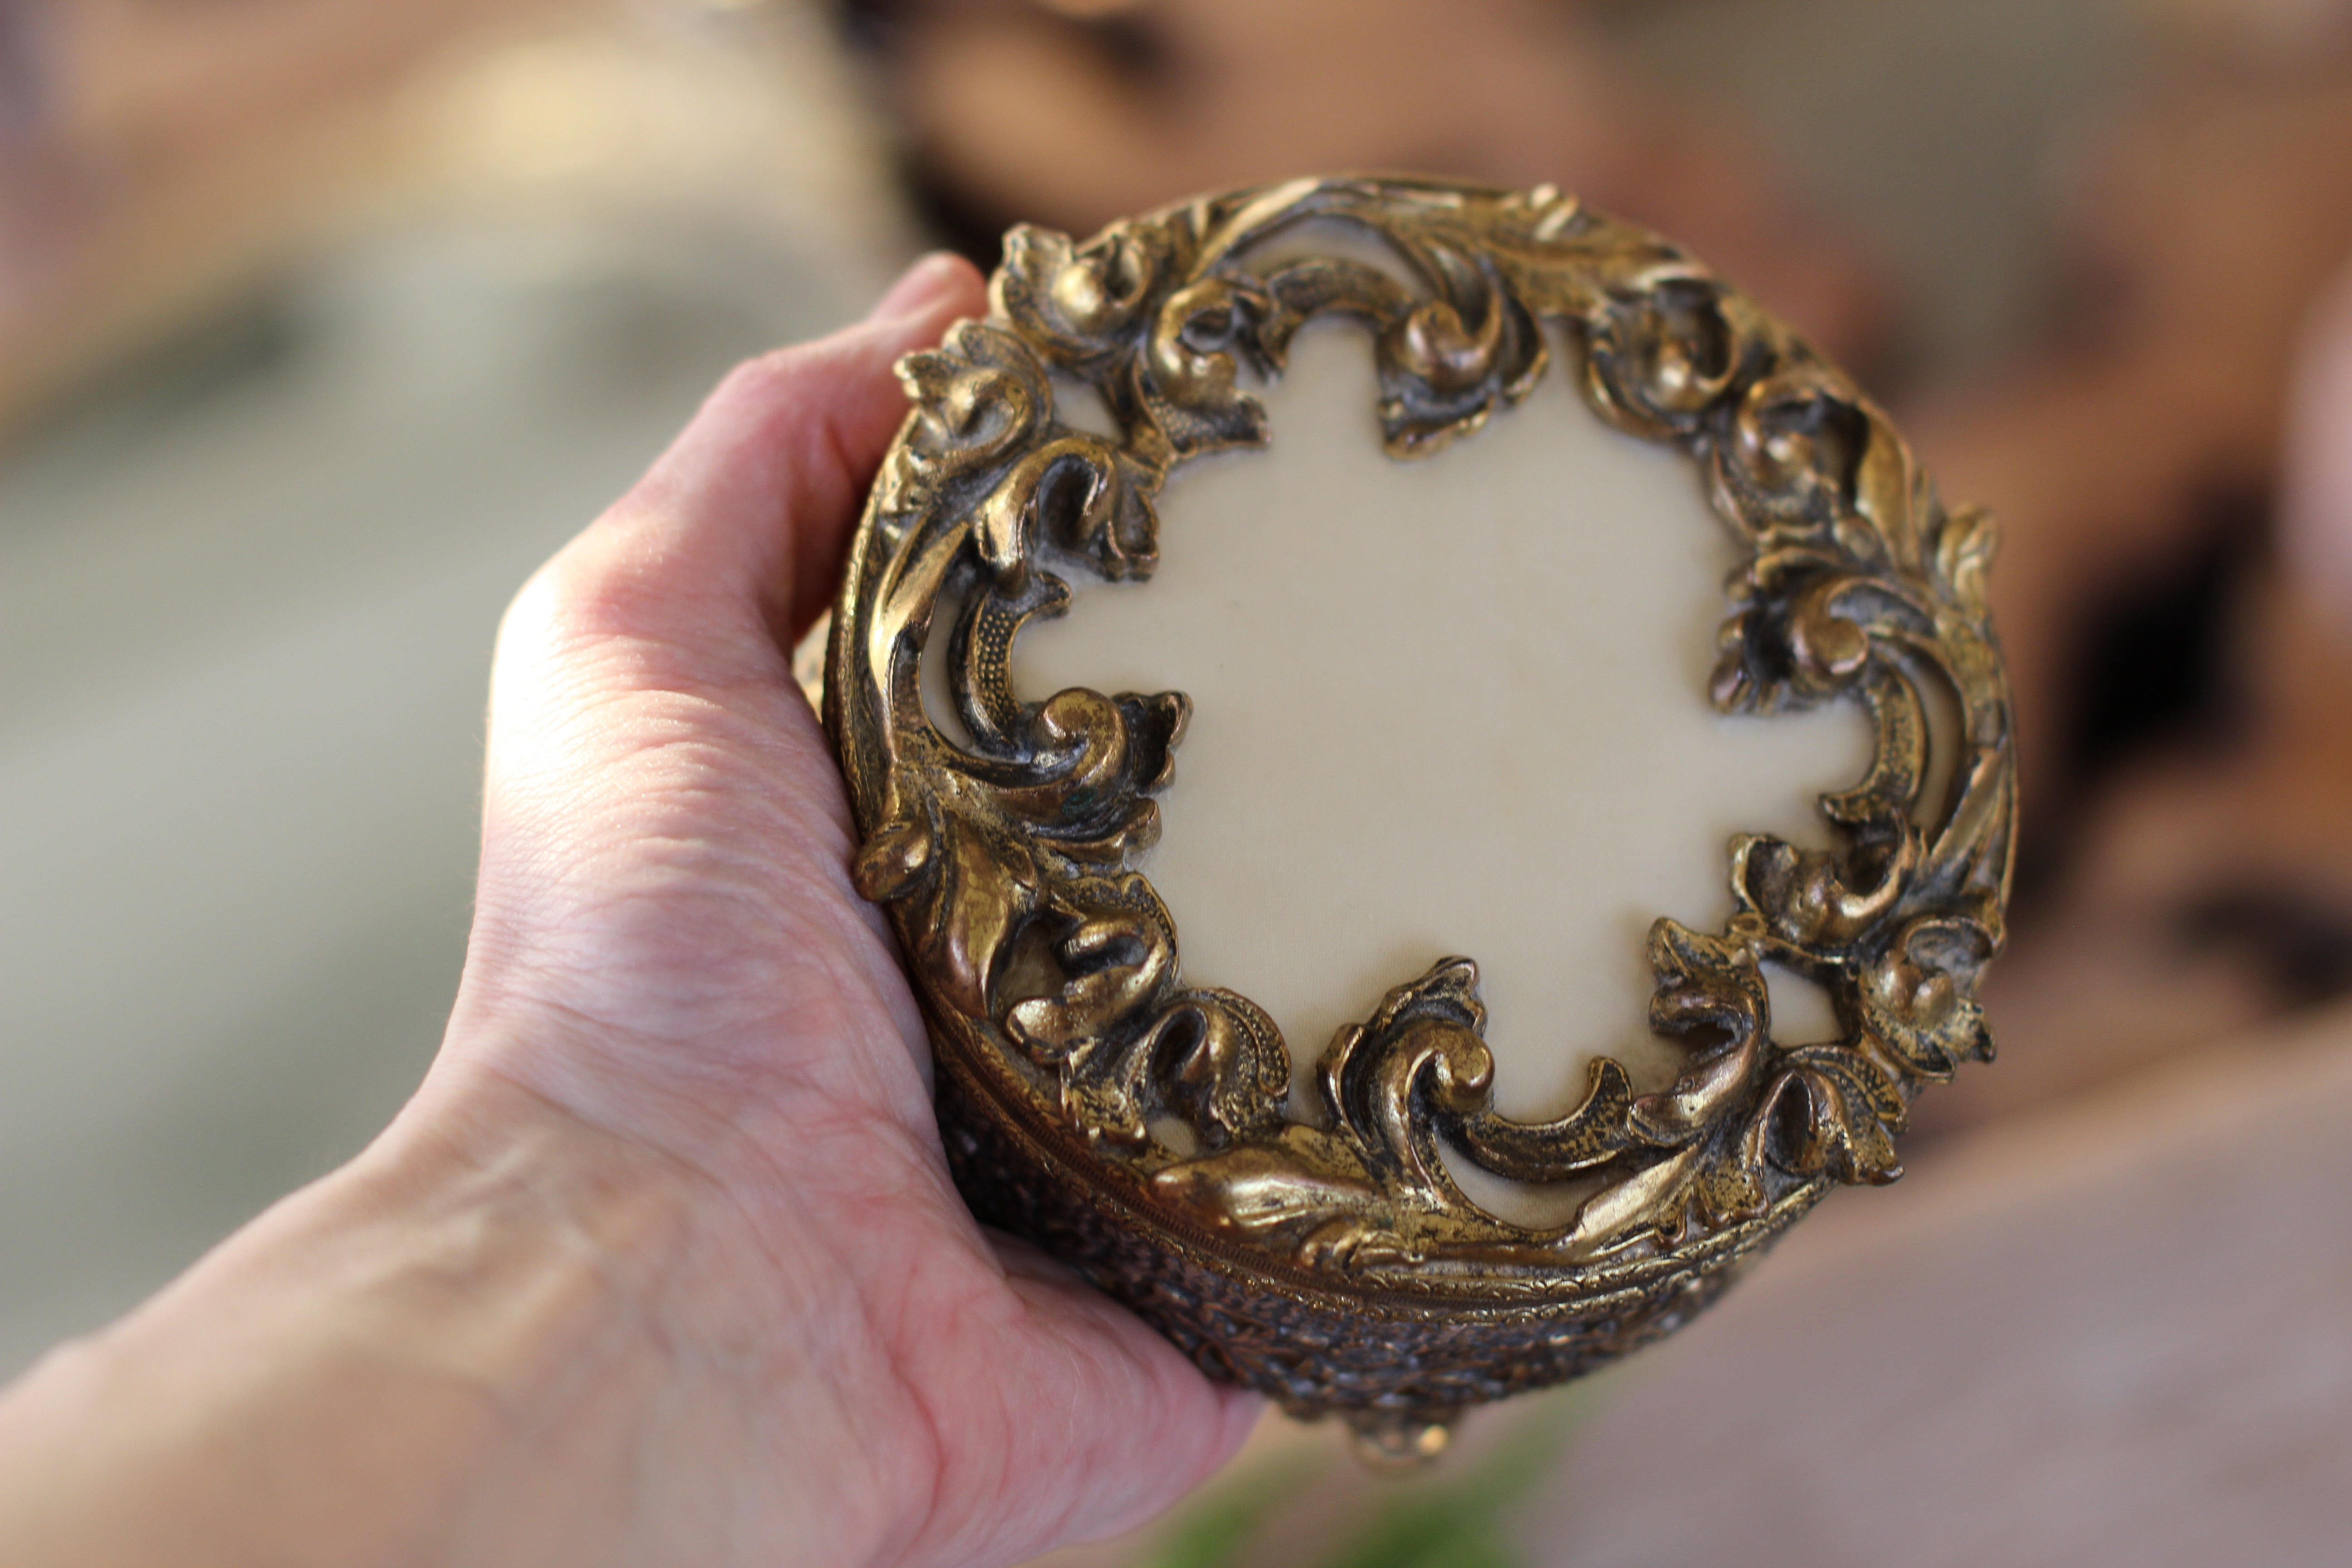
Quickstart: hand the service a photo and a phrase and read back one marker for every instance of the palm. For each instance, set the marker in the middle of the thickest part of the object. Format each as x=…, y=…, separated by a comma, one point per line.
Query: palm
x=668, y=951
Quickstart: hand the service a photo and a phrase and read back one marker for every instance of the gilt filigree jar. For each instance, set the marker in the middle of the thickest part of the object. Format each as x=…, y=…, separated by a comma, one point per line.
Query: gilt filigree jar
x=1317, y=1246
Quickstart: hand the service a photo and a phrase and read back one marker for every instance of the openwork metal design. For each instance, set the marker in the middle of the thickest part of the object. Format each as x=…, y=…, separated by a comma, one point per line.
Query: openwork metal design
x=1139, y=1124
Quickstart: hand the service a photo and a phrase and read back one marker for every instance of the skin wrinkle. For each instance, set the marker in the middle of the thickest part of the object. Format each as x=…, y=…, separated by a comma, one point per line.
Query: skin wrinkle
x=753, y=1059
x=906, y=1300
x=635, y=918
x=632, y=1277
x=657, y=865
x=992, y=1477
x=471, y=1198
x=657, y=1436
x=642, y=722
x=606, y=624
x=997, y=1475
x=847, y=1398
x=592, y=1084
x=1079, y=1389
x=649, y=743
x=504, y=1066
x=756, y=1146
x=930, y=1439
x=679, y=798
x=681, y=1355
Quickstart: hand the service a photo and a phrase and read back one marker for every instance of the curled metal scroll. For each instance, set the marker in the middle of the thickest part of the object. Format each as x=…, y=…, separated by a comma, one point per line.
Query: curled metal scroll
x=1139, y=1125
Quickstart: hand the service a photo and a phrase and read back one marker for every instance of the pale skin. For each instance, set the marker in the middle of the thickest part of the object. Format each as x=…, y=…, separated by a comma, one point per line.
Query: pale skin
x=662, y=1264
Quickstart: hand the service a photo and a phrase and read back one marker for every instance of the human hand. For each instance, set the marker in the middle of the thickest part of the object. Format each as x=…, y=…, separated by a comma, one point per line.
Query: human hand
x=663, y=1263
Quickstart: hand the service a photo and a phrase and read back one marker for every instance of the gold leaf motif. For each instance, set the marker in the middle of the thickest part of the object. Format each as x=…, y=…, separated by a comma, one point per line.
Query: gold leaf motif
x=1143, y=1125
x=1833, y=1112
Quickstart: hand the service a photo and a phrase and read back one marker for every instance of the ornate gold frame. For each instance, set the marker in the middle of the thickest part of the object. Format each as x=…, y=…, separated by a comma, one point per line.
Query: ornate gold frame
x=1137, y=1125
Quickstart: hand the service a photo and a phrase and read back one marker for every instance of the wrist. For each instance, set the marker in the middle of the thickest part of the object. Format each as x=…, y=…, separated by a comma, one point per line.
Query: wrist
x=476, y=1342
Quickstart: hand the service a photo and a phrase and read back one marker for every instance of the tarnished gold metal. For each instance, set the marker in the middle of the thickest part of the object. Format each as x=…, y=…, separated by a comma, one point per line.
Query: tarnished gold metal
x=1137, y=1124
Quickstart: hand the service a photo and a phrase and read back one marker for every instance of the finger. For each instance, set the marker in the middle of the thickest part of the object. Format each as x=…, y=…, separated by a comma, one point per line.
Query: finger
x=739, y=527
x=670, y=598
x=641, y=708
x=1069, y=1418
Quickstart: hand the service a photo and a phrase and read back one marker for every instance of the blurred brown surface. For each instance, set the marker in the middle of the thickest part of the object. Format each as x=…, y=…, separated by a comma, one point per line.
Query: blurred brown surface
x=2106, y=1333
x=2185, y=696
x=170, y=149
x=1024, y=112
x=2100, y=1320
x=253, y=553
x=2111, y=1334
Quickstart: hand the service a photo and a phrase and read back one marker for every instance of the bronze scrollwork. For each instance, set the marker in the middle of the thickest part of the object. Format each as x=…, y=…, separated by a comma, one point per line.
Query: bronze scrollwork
x=1139, y=1125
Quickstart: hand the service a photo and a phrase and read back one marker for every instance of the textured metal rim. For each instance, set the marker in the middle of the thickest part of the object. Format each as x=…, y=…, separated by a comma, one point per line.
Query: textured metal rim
x=1139, y=1125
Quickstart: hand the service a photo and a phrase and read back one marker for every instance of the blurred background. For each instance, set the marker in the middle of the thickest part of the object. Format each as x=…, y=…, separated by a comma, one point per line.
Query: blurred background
x=323, y=322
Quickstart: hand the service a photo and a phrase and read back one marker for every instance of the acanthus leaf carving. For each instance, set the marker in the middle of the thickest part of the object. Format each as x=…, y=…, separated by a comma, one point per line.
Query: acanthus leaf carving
x=1007, y=854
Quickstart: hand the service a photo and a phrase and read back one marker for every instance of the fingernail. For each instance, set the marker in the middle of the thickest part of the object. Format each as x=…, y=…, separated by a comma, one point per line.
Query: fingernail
x=920, y=287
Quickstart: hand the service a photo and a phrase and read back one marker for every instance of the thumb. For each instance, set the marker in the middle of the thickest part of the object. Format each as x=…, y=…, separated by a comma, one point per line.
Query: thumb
x=732, y=541
x=641, y=696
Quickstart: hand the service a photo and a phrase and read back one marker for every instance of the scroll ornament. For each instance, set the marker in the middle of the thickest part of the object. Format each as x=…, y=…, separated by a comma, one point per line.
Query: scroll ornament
x=1143, y=1125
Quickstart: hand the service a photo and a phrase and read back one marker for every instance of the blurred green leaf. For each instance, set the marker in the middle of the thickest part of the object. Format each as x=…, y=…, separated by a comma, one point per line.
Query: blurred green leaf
x=1457, y=1518
x=1213, y=1530
x=1460, y=1519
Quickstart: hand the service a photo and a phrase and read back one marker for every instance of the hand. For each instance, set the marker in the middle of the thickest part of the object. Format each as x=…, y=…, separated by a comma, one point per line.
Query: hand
x=662, y=1265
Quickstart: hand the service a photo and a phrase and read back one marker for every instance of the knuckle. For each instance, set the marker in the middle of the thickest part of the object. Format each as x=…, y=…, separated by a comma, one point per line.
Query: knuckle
x=606, y=583
x=764, y=377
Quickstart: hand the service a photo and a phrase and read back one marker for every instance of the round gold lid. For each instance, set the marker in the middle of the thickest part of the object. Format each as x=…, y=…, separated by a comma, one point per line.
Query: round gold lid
x=1316, y=1246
